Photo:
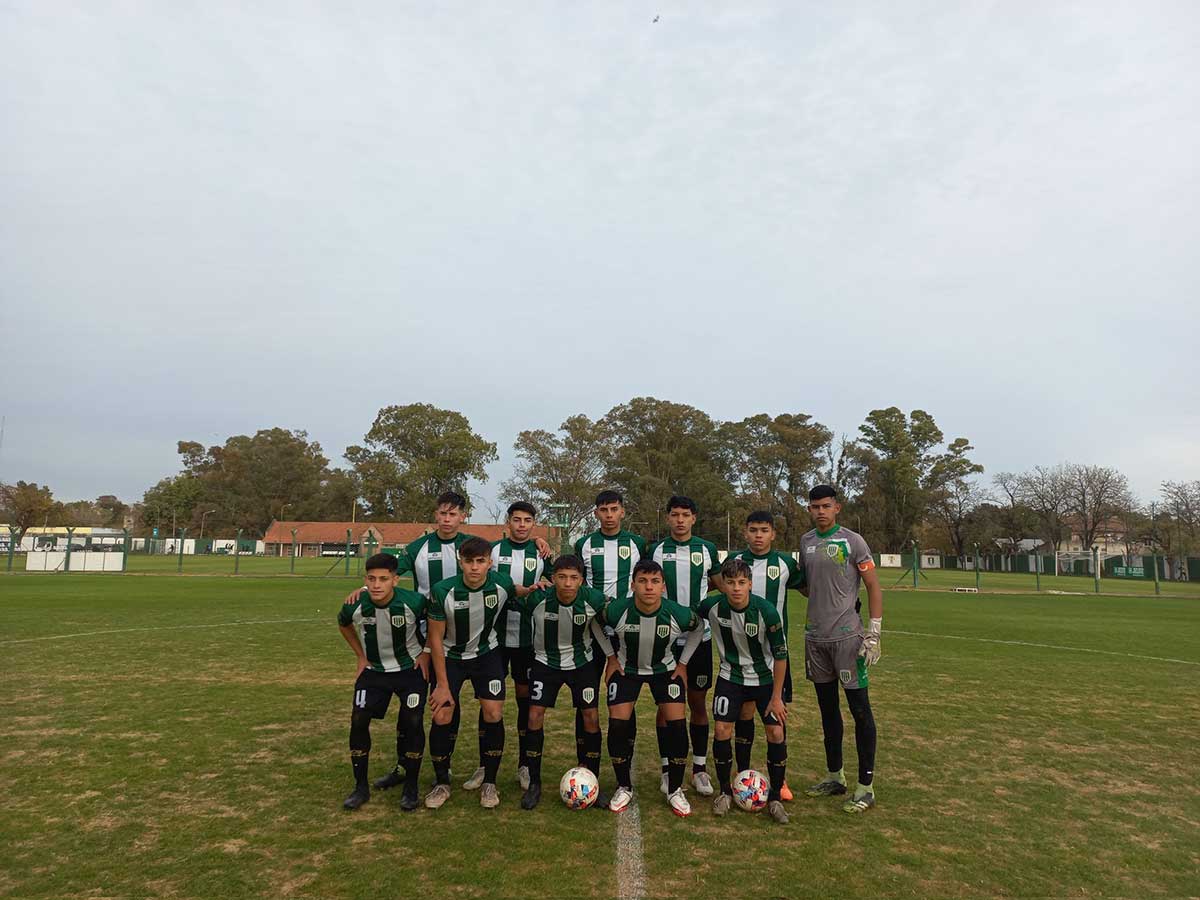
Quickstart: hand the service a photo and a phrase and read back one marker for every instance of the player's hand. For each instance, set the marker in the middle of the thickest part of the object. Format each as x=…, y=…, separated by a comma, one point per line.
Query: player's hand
x=423, y=665
x=680, y=672
x=543, y=548
x=778, y=709
x=352, y=597
x=611, y=668
x=544, y=583
x=870, y=650
x=440, y=697
x=362, y=664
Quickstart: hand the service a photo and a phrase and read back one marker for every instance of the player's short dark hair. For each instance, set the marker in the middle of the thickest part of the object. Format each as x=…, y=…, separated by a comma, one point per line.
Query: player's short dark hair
x=761, y=515
x=568, y=561
x=678, y=502
x=473, y=548
x=522, y=506
x=382, y=561
x=455, y=499
x=821, y=491
x=609, y=496
x=735, y=567
x=647, y=566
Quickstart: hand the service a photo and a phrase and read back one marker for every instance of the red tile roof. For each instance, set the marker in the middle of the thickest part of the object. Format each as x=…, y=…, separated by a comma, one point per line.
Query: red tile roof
x=389, y=534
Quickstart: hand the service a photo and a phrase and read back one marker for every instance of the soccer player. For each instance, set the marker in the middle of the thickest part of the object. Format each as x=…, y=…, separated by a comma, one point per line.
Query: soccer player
x=464, y=614
x=773, y=573
x=688, y=563
x=563, y=624
x=381, y=627
x=752, y=644
x=646, y=628
x=836, y=649
x=609, y=555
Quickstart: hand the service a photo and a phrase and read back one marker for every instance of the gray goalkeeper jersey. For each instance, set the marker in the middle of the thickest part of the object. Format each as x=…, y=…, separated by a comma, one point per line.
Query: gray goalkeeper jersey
x=833, y=566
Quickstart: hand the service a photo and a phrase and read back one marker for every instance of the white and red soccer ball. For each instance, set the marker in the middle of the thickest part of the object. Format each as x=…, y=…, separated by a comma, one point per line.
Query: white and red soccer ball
x=578, y=788
x=750, y=790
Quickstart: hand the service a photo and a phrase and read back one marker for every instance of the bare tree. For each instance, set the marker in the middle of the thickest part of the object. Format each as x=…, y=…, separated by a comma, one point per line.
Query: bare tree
x=1046, y=491
x=1095, y=494
x=1015, y=518
x=952, y=506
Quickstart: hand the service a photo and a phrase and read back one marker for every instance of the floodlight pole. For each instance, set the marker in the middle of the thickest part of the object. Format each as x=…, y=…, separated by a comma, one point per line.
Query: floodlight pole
x=237, y=551
x=182, y=536
x=203, y=516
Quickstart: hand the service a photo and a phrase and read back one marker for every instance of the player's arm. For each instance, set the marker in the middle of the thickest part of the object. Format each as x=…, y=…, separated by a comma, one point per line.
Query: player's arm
x=779, y=652
x=695, y=629
x=871, y=650
x=435, y=644
x=611, y=664
x=350, y=634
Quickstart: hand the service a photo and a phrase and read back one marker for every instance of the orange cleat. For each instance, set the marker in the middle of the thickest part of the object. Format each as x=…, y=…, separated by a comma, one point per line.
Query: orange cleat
x=785, y=792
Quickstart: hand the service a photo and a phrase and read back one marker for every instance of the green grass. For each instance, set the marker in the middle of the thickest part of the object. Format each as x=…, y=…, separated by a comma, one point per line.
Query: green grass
x=161, y=759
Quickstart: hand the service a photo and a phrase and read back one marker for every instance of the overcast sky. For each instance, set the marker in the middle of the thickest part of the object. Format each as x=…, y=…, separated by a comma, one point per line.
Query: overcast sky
x=215, y=219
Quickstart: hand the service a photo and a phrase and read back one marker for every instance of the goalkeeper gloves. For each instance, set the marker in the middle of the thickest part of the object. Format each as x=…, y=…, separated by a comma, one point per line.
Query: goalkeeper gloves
x=870, y=650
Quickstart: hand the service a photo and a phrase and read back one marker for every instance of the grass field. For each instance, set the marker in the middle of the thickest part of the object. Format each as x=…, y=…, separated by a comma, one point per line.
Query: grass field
x=186, y=737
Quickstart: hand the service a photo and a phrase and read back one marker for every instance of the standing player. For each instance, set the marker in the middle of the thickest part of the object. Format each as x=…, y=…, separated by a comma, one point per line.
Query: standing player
x=835, y=647
x=564, y=625
x=753, y=648
x=517, y=557
x=464, y=641
x=773, y=573
x=688, y=563
x=646, y=627
x=609, y=555
x=381, y=627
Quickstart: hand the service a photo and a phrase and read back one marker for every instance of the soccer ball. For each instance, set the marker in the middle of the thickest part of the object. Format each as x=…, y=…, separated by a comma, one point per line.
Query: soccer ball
x=578, y=788
x=750, y=790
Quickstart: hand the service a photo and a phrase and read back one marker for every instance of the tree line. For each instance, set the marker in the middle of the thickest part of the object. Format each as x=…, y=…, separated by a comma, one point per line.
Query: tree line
x=901, y=478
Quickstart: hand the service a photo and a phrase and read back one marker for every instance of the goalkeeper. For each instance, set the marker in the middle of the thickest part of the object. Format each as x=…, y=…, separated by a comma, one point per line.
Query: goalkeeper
x=836, y=649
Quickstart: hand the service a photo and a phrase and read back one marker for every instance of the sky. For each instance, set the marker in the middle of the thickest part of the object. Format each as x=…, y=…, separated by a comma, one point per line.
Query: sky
x=218, y=217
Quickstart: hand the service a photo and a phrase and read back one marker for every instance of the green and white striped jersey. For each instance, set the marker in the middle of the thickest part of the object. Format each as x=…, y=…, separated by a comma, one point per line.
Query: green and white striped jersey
x=562, y=633
x=646, y=641
x=389, y=634
x=771, y=576
x=686, y=569
x=471, y=616
x=609, y=561
x=431, y=559
x=748, y=640
x=521, y=563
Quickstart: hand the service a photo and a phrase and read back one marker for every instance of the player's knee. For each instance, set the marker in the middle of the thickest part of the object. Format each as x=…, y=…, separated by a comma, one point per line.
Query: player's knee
x=443, y=716
x=698, y=704
x=360, y=720
x=492, y=710
x=774, y=734
x=522, y=690
x=660, y=717
x=537, y=716
x=860, y=705
x=591, y=720
x=723, y=731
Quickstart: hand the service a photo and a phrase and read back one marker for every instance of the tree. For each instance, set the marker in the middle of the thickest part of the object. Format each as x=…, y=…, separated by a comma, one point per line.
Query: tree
x=1182, y=528
x=112, y=511
x=26, y=504
x=1046, y=491
x=952, y=508
x=413, y=453
x=170, y=503
x=1095, y=494
x=1014, y=517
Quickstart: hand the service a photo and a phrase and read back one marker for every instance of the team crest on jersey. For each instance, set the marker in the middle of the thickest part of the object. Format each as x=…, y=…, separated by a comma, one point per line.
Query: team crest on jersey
x=837, y=552
x=399, y=621
x=623, y=552
x=413, y=701
x=673, y=691
x=589, y=694
x=701, y=681
x=663, y=631
x=697, y=558
x=494, y=686
x=490, y=600
x=772, y=571
x=530, y=564
x=751, y=629
x=579, y=618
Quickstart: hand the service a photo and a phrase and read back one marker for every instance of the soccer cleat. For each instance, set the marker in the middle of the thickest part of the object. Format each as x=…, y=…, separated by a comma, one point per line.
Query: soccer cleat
x=439, y=795
x=475, y=781
x=665, y=786
x=860, y=802
x=776, y=811
x=357, y=798
x=679, y=803
x=620, y=799
x=602, y=800
x=390, y=780
x=489, y=797
x=533, y=795
x=830, y=787
x=721, y=804
x=702, y=783
x=523, y=777
x=785, y=793
x=409, y=799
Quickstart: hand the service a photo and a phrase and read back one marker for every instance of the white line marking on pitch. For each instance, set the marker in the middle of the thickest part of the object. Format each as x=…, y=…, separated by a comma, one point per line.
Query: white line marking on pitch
x=59, y=637
x=959, y=637
x=631, y=870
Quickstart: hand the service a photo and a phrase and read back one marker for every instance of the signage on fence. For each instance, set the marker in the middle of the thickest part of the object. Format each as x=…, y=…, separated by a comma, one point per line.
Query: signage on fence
x=1129, y=571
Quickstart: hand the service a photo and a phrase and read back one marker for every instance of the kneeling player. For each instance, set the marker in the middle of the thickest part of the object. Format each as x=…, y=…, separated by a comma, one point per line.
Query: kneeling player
x=381, y=626
x=463, y=640
x=563, y=621
x=645, y=627
x=749, y=636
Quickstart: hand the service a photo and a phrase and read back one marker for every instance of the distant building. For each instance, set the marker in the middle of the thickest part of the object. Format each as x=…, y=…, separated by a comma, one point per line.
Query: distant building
x=329, y=538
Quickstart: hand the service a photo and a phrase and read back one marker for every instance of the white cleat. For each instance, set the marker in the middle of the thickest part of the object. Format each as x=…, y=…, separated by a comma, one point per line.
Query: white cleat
x=438, y=796
x=523, y=777
x=665, y=786
x=703, y=784
x=621, y=798
x=489, y=797
x=679, y=803
x=473, y=783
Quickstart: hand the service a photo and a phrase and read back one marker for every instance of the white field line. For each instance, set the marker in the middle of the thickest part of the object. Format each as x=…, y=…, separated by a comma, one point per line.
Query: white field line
x=631, y=870
x=959, y=637
x=61, y=637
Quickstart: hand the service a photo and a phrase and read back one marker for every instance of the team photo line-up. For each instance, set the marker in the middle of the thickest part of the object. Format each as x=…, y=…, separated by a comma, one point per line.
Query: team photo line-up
x=614, y=614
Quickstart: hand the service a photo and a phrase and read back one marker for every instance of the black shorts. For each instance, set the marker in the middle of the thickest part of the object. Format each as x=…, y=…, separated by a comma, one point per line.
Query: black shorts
x=545, y=683
x=700, y=667
x=373, y=691
x=517, y=660
x=787, y=683
x=664, y=687
x=486, y=674
x=728, y=699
